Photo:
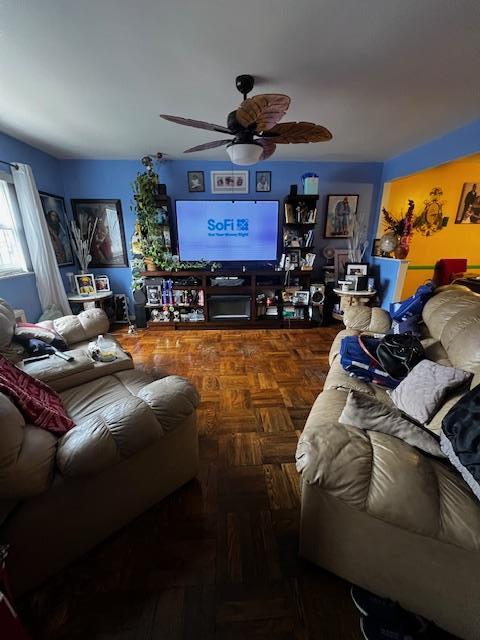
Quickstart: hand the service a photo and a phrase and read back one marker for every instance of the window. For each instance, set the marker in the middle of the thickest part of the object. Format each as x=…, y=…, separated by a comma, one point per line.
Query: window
x=12, y=251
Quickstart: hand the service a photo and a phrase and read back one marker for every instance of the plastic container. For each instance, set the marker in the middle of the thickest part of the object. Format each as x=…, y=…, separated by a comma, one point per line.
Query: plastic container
x=107, y=349
x=310, y=183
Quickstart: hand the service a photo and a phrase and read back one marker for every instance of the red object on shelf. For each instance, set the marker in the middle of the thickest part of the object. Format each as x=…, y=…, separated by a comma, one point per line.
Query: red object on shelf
x=446, y=268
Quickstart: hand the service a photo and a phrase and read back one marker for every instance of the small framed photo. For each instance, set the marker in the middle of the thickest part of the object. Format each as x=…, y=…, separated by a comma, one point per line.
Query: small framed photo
x=469, y=206
x=356, y=269
x=196, y=181
x=263, y=181
x=294, y=257
x=154, y=295
x=229, y=181
x=301, y=297
x=341, y=211
x=85, y=283
x=102, y=283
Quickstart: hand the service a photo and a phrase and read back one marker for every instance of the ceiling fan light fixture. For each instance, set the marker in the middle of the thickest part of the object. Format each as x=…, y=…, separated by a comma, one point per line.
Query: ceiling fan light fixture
x=244, y=154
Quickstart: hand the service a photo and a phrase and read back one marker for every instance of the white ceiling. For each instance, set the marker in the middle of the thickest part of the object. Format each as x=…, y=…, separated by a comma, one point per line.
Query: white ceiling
x=88, y=78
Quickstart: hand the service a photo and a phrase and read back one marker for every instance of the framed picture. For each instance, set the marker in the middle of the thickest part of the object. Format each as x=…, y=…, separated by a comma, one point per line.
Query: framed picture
x=196, y=181
x=301, y=297
x=340, y=261
x=229, y=181
x=102, y=283
x=293, y=257
x=108, y=246
x=341, y=209
x=356, y=268
x=263, y=180
x=154, y=294
x=57, y=223
x=469, y=205
x=85, y=283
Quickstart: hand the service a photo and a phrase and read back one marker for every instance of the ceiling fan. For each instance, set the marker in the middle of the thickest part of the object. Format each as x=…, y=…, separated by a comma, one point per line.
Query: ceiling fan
x=255, y=126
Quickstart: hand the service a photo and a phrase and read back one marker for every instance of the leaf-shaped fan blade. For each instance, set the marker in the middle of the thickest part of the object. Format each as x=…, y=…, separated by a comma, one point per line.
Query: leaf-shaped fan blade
x=269, y=147
x=198, y=124
x=297, y=132
x=208, y=145
x=264, y=110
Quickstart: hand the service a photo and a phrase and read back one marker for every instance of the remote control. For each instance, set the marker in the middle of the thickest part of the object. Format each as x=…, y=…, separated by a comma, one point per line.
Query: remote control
x=64, y=356
x=35, y=358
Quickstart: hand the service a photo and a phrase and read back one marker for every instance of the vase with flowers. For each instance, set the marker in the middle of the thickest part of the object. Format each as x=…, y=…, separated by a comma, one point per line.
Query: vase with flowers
x=402, y=228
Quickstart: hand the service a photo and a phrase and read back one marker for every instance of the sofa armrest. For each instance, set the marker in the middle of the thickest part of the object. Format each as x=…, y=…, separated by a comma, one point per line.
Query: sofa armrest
x=368, y=319
x=86, y=325
x=128, y=426
x=172, y=400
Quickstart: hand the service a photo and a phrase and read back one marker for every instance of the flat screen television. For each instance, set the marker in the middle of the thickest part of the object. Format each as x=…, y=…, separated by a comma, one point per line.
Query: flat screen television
x=227, y=231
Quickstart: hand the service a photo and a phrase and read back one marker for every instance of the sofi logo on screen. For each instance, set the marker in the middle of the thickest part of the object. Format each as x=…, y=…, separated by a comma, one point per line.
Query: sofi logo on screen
x=228, y=227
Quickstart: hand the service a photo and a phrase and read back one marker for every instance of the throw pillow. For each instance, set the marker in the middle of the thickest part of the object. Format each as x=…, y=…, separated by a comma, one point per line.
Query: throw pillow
x=460, y=437
x=368, y=413
x=25, y=331
x=424, y=390
x=40, y=405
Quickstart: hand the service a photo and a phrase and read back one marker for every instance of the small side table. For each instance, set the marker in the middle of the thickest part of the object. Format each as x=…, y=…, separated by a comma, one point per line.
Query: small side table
x=353, y=299
x=101, y=299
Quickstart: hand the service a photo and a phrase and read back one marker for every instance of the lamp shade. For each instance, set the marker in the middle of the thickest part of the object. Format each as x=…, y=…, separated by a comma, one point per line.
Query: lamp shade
x=244, y=154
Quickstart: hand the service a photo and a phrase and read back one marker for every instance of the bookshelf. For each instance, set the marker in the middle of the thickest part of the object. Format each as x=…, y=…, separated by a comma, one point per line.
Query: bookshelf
x=299, y=220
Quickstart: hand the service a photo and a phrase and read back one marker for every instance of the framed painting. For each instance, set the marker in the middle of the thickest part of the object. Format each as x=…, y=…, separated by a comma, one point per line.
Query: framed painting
x=263, y=180
x=229, y=181
x=57, y=223
x=108, y=245
x=469, y=206
x=341, y=210
x=196, y=181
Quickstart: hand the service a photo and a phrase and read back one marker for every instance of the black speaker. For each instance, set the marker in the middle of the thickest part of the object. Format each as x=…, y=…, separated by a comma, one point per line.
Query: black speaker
x=293, y=189
x=140, y=316
x=317, y=294
x=317, y=298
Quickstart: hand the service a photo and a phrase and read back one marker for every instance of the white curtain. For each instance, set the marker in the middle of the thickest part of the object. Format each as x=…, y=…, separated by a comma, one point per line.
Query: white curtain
x=51, y=291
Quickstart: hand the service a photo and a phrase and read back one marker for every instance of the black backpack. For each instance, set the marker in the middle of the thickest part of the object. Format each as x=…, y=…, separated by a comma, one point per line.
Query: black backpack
x=399, y=353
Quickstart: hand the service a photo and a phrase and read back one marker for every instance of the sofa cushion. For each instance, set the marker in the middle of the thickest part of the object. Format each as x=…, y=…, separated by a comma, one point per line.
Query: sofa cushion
x=424, y=390
x=39, y=404
x=365, y=412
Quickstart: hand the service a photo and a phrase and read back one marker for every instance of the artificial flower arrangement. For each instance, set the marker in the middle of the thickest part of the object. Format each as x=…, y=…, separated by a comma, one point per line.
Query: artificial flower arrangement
x=402, y=228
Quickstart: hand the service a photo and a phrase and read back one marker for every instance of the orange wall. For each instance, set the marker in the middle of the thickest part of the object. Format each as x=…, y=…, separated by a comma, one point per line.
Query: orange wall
x=453, y=241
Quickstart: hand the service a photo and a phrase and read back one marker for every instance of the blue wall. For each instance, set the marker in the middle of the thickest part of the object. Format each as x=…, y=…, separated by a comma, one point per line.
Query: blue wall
x=21, y=291
x=456, y=144
x=113, y=179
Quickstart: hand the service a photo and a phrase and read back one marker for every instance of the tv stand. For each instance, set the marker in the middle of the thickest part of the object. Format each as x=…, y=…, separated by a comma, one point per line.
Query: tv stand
x=198, y=299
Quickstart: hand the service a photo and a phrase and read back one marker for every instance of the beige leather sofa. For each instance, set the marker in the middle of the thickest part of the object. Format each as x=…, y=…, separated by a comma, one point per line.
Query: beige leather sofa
x=135, y=441
x=378, y=512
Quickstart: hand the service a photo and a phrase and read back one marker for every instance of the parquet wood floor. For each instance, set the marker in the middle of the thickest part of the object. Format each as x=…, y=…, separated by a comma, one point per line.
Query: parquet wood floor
x=217, y=559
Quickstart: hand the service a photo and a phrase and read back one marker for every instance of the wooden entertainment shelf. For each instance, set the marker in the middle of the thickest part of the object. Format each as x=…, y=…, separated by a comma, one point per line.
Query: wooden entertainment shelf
x=265, y=298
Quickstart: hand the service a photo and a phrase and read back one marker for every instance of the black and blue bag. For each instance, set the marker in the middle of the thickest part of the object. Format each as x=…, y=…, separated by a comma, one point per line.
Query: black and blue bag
x=358, y=359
